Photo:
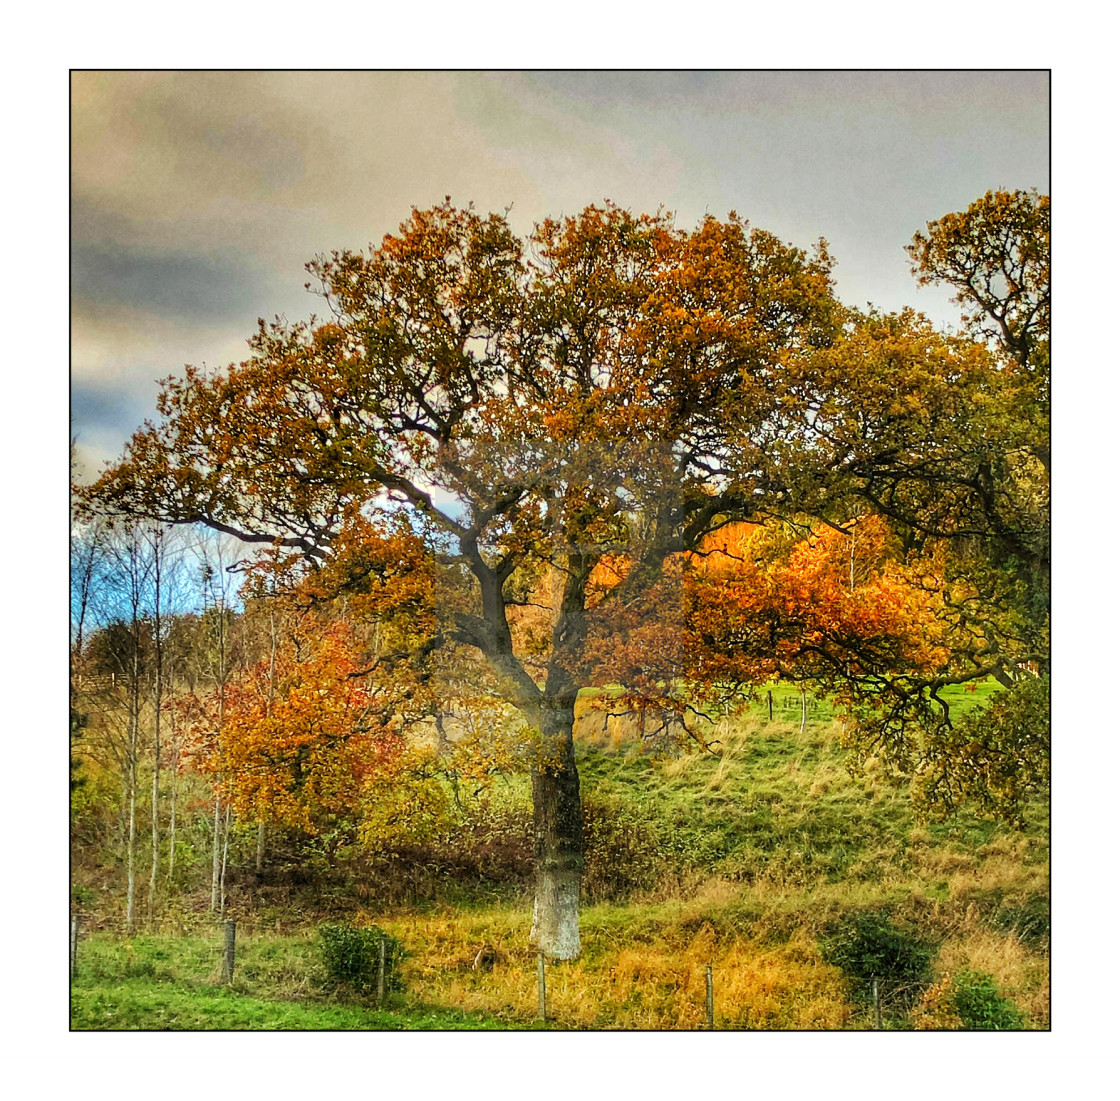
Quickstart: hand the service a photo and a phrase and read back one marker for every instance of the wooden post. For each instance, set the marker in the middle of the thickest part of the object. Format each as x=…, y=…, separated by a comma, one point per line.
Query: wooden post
x=228, y=952
x=875, y=1002
x=73, y=945
x=381, y=971
x=770, y=703
x=711, y=1000
x=542, y=1004
x=804, y=710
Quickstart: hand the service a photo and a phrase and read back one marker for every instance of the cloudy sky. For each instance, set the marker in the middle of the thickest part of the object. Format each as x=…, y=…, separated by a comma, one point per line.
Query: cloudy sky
x=198, y=197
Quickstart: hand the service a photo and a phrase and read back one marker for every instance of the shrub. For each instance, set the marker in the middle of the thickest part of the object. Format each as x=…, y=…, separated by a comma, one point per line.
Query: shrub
x=865, y=945
x=968, y=1000
x=352, y=955
x=935, y=1010
x=979, y=1004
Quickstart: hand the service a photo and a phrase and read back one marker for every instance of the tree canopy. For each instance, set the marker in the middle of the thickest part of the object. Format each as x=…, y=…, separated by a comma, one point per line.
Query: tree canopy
x=528, y=450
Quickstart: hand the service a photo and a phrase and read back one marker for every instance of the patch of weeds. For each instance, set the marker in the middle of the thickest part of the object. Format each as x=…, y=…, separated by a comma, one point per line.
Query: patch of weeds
x=970, y=1001
x=1029, y=921
x=980, y=1006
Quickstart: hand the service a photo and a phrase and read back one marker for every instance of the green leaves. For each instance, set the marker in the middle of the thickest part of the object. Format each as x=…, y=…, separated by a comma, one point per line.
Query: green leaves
x=867, y=946
x=352, y=954
x=995, y=757
x=980, y=1006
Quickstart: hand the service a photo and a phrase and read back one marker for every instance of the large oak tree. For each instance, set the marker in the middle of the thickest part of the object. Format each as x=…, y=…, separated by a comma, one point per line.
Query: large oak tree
x=611, y=389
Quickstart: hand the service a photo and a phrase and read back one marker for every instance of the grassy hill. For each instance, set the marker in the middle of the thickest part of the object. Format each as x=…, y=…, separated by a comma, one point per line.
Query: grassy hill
x=763, y=858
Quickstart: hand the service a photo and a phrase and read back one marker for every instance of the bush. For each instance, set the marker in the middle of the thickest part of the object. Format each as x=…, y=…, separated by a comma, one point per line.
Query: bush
x=866, y=945
x=979, y=1004
x=352, y=955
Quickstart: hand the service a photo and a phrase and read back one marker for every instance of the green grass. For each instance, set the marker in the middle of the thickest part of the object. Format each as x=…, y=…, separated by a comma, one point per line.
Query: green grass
x=139, y=1004
x=172, y=983
x=749, y=854
x=772, y=801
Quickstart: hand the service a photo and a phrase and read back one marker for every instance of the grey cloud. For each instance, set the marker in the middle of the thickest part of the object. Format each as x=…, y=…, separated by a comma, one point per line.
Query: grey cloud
x=121, y=404
x=862, y=159
x=185, y=284
x=104, y=414
x=199, y=196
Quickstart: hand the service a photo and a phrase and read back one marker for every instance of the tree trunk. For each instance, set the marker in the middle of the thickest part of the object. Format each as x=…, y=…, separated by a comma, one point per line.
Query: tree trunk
x=171, y=834
x=155, y=796
x=130, y=902
x=132, y=772
x=558, y=837
x=172, y=786
x=216, y=853
x=158, y=548
x=225, y=861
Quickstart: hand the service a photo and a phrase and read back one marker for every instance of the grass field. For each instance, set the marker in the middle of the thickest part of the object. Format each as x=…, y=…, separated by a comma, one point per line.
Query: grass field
x=747, y=858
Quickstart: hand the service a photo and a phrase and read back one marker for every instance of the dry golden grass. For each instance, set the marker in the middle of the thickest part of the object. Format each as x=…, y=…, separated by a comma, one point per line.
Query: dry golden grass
x=643, y=965
x=998, y=873
x=656, y=985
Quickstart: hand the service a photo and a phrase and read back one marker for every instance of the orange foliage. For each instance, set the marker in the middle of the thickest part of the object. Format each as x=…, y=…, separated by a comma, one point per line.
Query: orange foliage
x=301, y=735
x=832, y=604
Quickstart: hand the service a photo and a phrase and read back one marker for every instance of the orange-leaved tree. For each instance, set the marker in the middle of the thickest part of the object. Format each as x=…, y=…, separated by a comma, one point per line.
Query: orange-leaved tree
x=303, y=736
x=613, y=388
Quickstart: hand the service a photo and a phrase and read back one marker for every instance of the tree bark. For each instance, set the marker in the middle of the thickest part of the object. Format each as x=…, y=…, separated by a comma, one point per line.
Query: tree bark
x=225, y=863
x=558, y=836
x=157, y=703
x=173, y=767
x=132, y=772
x=216, y=853
x=130, y=900
x=171, y=834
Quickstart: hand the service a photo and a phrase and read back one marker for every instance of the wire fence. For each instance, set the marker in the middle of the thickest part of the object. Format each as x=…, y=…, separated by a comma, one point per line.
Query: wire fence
x=880, y=994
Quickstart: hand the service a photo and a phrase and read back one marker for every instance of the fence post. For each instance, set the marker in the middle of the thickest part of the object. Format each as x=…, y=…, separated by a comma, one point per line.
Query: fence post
x=73, y=945
x=542, y=1004
x=381, y=971
x=711, y=999
x=875, y=1002
x=228, y=952
x=770, y=703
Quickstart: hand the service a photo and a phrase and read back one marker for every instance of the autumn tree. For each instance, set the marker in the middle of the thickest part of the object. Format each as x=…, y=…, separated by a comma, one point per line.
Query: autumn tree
x=945, y=439
x=613, y=389
x=814, y=604
x=218, y=653
x=302, y=735
x=530, y=404
x=996, y=256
